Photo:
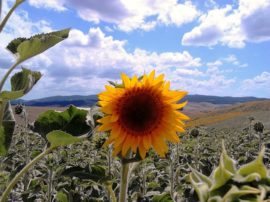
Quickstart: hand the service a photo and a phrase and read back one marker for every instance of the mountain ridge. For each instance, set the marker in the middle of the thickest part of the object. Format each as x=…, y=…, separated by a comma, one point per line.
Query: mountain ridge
x=89, y=100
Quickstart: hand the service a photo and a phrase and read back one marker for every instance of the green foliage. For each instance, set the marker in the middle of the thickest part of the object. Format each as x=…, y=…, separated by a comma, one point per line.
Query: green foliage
x=59, y=138
x=258, y=127
x=249, y=183
x=24, y=80
x=194, y=132
x=21, y=83
x=95, y=173
x=61, y=197
x=165, y=197
x=27, y=48
x=7, y=129
x=72, y=121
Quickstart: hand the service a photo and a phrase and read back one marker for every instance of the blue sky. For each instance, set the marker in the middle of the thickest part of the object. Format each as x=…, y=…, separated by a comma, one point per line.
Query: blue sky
x=202, y=46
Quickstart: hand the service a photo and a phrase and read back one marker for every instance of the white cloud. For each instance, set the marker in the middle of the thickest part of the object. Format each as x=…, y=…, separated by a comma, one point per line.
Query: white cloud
x=189, y=72
x=214, y=85
x=57, y=5
x=89, y=60
x=232, y=59
x=258, y=81
x=231, y=26
x=128, y=15
x=19, y=25
x=215, y=63
x=258, y=85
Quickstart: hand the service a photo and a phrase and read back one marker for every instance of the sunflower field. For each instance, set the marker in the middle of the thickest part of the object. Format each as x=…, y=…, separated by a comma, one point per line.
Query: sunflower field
x=135, y=144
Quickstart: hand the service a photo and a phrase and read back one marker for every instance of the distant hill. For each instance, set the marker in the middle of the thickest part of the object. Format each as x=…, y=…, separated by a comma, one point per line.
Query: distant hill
x=233, y=116
x=89, y=100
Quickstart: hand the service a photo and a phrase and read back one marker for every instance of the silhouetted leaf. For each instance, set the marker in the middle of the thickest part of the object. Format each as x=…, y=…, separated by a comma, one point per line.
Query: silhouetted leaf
x=72, y=121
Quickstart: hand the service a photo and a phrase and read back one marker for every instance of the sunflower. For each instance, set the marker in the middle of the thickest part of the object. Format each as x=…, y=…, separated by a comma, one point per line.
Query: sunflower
x=140, y=114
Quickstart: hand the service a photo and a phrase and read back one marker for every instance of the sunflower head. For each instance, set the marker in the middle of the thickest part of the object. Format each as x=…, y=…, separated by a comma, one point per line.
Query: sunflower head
x=141, y=114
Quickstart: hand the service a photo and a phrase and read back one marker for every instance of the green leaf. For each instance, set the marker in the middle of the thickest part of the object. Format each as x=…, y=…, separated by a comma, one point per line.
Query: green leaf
x=6, y=129
x=200, y=185
x=249, y=178
x=165, y=197
x=24, y=80
x=95, y=173
x=235, y=193
x=61, y=197
x=59, y=138
x=11, y=95
x=256, y=166
x=27, y=48
x=199, y=177
x=72, y=121
x=224, y=172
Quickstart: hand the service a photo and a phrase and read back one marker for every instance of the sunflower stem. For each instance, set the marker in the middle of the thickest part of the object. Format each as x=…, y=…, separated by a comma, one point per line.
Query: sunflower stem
x=124, y=182
x=21, y=173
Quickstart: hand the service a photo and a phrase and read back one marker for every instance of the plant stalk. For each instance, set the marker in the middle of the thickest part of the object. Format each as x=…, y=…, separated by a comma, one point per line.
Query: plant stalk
x=124, y=182
x=16, y=4
x=7, y=74
x=21, y=173
x=111, y=193
x=50, y=182
x=0, y=8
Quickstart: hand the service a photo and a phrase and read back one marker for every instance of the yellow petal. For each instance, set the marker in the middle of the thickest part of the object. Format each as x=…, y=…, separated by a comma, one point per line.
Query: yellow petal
x=114, y=117
x=108, y=142
x=104, y=97
x=151, y=76
x=181, y=116
x=105, y=127
x=157, y=147
x=160, y=78
x=110, y=89
x=108, y=109
x=179, y=106
x=172, y=136
x=126, y=80
x=116, y=151
x=175, y=96
x=142, y=151
x=105, y=119
x=167, y=86
x=119, y=141
x=115, y=132
x=147, y=142
x=126, y=146
x=134, y=81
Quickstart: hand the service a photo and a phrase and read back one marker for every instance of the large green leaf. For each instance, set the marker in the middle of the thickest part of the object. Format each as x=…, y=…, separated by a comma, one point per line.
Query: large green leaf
x=256, y=166
x=59, y=138
x=165, y=197
x=225, y=171
x=95, y=173
x=6, y=129
x=11, y=95
x=24, y=80
x=72, y=121
x=27, y=48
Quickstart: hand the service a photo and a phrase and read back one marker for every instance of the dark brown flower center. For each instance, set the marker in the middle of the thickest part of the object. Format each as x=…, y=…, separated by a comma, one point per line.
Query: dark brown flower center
x=140, y=111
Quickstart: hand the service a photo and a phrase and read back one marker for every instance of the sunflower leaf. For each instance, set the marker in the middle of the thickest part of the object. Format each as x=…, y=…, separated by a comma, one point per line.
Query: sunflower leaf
x=165, y=197
x=72, y=121
x=256, y=166
x=59, y=138
x=24, y=80
x=27, y=48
